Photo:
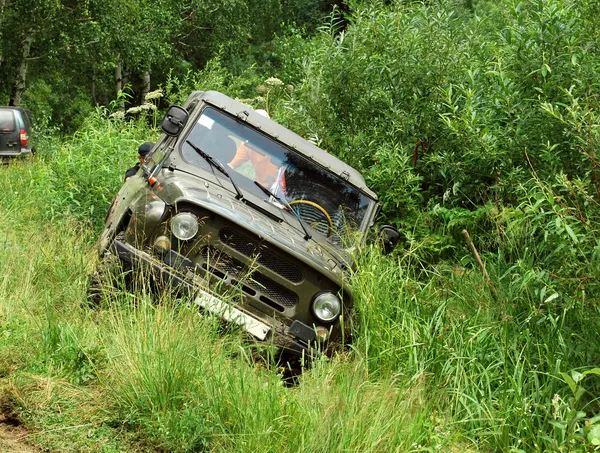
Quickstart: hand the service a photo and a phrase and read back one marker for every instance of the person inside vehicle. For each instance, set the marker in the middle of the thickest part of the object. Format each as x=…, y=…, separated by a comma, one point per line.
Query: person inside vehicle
x=266, y=172
x=143, y=151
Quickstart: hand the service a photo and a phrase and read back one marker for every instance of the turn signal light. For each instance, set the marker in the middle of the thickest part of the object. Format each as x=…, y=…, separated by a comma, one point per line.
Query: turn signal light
x=322, y=333
x=162, y=245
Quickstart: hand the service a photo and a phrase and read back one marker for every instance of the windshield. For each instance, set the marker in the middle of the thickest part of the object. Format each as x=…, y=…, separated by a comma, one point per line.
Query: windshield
x=323, y=200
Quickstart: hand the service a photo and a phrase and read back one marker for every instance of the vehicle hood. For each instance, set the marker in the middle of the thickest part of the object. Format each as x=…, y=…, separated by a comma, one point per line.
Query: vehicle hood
x=286, y=235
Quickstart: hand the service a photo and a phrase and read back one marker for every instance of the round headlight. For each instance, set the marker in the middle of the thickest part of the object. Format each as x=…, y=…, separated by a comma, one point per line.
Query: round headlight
x=327, y=307
x=184, y=226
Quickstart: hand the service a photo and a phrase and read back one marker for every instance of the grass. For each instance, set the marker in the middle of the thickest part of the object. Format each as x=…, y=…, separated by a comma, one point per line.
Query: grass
x=163, y=372
x=441, y=361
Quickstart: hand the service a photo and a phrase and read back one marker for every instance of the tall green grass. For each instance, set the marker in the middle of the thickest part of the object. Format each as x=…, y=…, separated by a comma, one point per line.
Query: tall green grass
x=190, y=390
x=493, y=354
x=163, y=372
x=170, y=378
x=76, y=176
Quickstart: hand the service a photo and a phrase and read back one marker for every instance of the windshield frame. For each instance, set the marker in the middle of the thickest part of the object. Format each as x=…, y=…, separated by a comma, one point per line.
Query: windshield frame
x=366, y=204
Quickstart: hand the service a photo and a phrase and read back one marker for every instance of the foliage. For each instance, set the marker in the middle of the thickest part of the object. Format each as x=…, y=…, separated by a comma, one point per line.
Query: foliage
x=486, y=359
x=159, y=371
x=439, y=107
x=86, y=51
x=492, y=353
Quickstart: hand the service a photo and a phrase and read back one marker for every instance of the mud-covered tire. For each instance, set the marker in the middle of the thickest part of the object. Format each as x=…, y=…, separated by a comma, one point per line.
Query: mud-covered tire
x=94, y=291
x=102, y=279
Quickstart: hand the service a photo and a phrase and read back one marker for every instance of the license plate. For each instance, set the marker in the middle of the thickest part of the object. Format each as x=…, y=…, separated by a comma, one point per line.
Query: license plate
x=229, y=313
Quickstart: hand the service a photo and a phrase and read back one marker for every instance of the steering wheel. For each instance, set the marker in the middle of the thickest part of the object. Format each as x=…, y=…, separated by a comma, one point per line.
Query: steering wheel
x=312, y=215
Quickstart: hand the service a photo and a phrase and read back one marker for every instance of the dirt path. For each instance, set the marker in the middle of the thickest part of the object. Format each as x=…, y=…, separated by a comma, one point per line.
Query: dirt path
x=13, y=437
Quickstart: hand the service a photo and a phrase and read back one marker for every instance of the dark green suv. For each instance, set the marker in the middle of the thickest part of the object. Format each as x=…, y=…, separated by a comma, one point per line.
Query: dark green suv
x=15, y=130
x=254, y=221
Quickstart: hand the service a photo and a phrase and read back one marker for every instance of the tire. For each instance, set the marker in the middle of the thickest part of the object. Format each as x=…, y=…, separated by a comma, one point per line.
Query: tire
x=102, y=280
x=94, y=291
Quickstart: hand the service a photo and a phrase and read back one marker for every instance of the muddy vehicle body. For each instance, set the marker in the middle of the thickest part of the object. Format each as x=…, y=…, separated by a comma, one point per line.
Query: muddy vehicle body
x=247, y=217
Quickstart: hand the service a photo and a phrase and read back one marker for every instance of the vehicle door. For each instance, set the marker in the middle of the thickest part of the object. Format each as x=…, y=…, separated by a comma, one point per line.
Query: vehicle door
x=9, y=135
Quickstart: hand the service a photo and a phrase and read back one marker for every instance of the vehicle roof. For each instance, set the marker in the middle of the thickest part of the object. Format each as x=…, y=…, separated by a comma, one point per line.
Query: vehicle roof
x=20, y=109
x=26, y=114
x=284, y=136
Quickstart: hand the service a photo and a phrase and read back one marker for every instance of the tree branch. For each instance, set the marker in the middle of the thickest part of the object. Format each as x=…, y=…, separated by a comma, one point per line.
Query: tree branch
x=41, y=57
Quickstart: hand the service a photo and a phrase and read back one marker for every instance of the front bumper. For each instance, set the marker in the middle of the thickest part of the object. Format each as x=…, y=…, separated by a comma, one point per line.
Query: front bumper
x=178, y=271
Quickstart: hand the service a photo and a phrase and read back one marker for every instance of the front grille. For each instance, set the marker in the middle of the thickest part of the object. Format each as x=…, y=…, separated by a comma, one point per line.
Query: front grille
x=264, y=257
x=269, y=290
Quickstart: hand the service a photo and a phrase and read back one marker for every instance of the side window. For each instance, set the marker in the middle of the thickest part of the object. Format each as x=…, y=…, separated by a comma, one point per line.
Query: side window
x=27, y=120
x=20, y=122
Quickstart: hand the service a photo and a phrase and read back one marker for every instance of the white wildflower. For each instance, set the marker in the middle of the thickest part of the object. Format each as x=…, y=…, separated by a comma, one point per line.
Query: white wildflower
x=119, y=114
x=156, y=94
x=274, y=82
x=148, y=106
x=556, y=405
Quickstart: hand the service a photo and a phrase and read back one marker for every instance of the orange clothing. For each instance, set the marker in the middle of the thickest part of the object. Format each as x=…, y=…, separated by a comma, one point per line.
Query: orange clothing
x=265, y=170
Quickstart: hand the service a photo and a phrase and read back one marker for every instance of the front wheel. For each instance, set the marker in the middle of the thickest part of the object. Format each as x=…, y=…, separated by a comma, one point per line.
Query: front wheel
x=96, y=287
x=106, y=279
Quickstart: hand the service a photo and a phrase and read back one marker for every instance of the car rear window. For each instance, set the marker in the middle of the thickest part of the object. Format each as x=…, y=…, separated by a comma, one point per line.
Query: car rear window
x=7, y=121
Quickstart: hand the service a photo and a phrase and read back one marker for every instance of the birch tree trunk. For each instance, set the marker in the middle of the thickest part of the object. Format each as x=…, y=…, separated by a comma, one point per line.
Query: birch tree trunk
x=2, y=7
x=20, y=83
x=94, y=87
x=119, y=82
x=146, y=85
x=126, y=74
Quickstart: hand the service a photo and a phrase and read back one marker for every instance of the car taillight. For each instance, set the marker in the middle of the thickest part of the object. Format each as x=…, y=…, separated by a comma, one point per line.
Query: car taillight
x=23, y=137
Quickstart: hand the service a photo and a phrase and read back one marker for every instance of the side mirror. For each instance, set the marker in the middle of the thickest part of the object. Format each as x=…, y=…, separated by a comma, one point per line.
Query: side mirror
x=174, y=121
x=390, y=236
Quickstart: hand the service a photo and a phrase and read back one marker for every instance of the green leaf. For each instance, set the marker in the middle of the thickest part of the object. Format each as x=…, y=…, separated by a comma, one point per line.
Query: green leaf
x=594, y=435
x=558, y=425
x=579, y=393
x=577, y=376
x=576, y=415
x=595, y=371
x=570, y=231
x=570, y=382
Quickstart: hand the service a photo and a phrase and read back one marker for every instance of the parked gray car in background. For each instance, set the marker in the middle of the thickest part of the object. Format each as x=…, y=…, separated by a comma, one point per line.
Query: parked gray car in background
x=15, y=130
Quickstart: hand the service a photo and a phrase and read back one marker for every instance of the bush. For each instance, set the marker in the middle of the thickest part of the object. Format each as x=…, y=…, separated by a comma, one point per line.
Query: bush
x=438, y=106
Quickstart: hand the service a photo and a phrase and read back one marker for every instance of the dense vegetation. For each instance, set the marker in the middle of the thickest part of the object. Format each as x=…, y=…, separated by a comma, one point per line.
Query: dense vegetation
x=474, y=115
x=72, y=55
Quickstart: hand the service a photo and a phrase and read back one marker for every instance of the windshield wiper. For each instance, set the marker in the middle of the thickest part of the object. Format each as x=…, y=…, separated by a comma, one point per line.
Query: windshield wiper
x=287, y=205
x=219, y=166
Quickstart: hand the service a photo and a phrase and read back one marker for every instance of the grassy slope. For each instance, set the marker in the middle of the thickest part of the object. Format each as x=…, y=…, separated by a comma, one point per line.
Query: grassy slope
x=79, y=375
x=441, y=361
x=135, y=375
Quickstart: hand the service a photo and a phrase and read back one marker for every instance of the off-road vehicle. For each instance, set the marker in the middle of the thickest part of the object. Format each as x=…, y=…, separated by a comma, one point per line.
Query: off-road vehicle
x=249, y=218
x=15, y=130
